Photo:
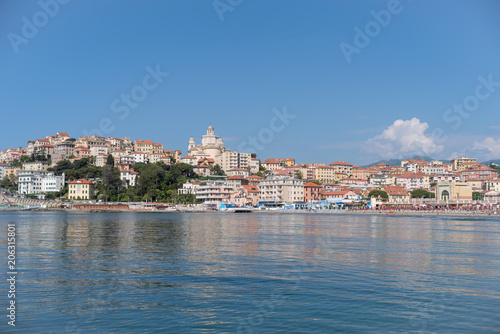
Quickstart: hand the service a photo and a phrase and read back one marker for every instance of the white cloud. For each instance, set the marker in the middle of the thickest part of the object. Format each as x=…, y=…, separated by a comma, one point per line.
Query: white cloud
x=489, y=148
x=404, y=139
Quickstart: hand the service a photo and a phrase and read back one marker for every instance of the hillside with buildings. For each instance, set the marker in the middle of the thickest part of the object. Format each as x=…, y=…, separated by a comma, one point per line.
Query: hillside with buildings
x=121, y=169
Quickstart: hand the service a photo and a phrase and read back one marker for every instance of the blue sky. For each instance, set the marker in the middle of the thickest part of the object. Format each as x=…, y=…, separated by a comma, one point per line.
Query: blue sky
x=239, y=64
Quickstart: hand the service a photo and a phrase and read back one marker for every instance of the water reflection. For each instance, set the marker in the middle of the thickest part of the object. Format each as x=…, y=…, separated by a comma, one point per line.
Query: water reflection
x=207, y=272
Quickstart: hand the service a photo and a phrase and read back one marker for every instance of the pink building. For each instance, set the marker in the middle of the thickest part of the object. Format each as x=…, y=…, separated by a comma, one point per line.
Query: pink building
x=312, y=192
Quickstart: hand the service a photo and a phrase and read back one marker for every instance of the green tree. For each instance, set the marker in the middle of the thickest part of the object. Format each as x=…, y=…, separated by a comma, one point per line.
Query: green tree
x=63, y=166
x=9, y=182
x=433, y=184
x=111, y=179
x=477, y=196
x=16, y=163
x=421, y=193
x=495, y=167
x=25, y=158
x=216, y=170
x=377, y=193
x=151, y=177
x=110, y=160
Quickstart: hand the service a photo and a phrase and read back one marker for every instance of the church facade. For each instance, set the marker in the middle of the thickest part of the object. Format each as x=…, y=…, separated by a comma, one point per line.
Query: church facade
x=212, y=147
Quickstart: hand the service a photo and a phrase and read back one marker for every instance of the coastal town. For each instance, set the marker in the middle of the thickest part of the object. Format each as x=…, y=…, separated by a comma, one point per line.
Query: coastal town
x=94, y=172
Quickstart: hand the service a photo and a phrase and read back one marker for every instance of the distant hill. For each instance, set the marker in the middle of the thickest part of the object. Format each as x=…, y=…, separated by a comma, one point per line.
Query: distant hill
x=392, y=162
x=495, y=161
x=397, y=162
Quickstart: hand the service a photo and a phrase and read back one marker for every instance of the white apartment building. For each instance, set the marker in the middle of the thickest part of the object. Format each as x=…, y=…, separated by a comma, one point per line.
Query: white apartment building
x=214, y=192
x=96, y=150
x=442, y=177
x=493, y=185
x=410, y=182
x=188, y=188
x=140, y=157
x=434, y=169
x=2, y=169
x=129, y=177
x=379, y=179
x=281, y=188
x=234, y=159
x=238, y=172
x=254, y=165
x=39, y=182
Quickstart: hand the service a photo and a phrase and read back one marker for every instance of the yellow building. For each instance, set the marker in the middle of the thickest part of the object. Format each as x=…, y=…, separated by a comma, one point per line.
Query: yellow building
x=81, y=189
x=35, y=166
x=157, y=148
x=286, y=162
x=143, y=146
x=328, y=174
x=457, y=162
x=454, y=191
x=362, y=173
x=12, y=170
x=342, y=167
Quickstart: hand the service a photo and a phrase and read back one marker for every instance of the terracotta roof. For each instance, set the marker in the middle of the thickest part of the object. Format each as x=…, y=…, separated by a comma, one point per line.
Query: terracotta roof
x=208, y=159
x=312, y=185
x=81, y=181
x=144, y=142
x=254, y=177
x=396, y=190
x=188, y=157
x=340, y=163
x=236, y=177
x=240, y=169
x=251, y=188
